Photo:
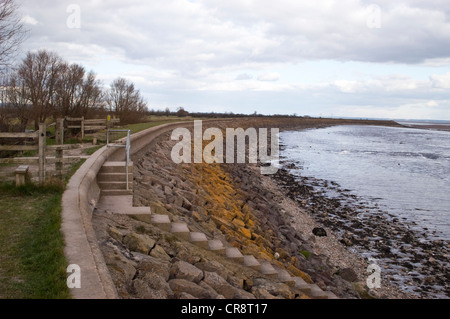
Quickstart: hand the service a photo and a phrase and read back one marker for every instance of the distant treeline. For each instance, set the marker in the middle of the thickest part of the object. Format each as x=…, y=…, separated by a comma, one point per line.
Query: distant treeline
x=44, y=86
x=181, y=112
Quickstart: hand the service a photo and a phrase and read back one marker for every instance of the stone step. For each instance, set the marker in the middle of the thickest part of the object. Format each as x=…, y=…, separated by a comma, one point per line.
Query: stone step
x=116, y=192
x=235, y=254
x=114, y=185
x=268, y=270
x=199, y=239
x=114, y=177
x=181, y=230
x=301, y=285
x=250, y=261
x=317, y=292
x=286, y=278
x=216, y=246
x=123, y=205
x=116, y=167
x=161, y=221
x=331, y=295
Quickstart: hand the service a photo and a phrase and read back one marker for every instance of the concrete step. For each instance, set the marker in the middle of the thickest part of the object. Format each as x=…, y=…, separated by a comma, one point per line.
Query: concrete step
x=250, y=261
x=116, y=167
x=114, y=185
x=199, y=239
x=116, y=192
x=161, y=221
x=122, y=205
x=181, y=230
x=317, y=292
x=286, y=278
x=268, y=270
x=114, y=177
x=216, y=246
x=235, y=254
x=301, y=285
x=331, y=295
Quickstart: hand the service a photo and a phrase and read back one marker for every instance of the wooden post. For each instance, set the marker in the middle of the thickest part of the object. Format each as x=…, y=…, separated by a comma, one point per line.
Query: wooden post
x=59, y=152
x=42, y=146
x=82, y=128
x=59, y=134
x=108, y=127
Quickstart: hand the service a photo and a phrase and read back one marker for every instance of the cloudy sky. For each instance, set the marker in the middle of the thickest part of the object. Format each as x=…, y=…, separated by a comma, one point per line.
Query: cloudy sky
x=353, y=58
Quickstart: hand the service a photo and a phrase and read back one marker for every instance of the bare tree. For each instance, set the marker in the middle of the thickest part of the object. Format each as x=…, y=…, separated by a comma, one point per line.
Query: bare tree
x=92, y=98
x=14, y=99
x=39, y=73
x=12, y=32
x=125, y=101
x=76, y=92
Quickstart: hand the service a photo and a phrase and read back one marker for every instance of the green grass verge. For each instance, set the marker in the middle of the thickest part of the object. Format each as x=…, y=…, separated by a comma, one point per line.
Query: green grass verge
x=32, y=261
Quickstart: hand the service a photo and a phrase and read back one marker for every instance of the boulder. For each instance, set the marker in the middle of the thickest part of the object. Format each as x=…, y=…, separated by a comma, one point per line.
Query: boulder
x=213, y=266
x=184, y=270
x=139, y=243
x=115, y=233
x=219, y=284
x=348, y=274
x=143, y=291
x=152, y=265
x=156, y=282
x=261, y=293
x=179, y=286
x=319, y=232
x=160, y=253
x=274, y=288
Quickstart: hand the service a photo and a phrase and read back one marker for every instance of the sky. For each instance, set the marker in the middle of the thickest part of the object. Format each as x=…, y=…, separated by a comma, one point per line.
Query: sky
x=346, y=58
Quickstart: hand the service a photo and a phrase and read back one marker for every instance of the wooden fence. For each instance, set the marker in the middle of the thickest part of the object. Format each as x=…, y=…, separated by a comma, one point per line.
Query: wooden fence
x=36, y=141
x=39, y=144
x=86, y=125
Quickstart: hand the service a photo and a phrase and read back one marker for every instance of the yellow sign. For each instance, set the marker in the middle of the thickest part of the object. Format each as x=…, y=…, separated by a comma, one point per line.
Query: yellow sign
x=108, y=118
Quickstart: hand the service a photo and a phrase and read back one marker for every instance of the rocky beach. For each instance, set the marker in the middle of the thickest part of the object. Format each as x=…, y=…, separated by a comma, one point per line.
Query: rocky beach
x=286, y=220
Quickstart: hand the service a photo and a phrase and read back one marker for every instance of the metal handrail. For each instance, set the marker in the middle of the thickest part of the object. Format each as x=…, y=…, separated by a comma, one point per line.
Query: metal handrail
x=127, y=147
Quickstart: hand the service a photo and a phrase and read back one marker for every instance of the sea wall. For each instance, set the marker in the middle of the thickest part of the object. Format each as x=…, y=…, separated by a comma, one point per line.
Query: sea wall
x=78, y=203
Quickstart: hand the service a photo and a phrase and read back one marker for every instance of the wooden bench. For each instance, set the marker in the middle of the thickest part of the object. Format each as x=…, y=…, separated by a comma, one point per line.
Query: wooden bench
x=21, y=174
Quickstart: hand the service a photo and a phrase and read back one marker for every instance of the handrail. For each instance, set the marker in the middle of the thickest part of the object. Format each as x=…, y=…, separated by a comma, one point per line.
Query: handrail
x=127, y=147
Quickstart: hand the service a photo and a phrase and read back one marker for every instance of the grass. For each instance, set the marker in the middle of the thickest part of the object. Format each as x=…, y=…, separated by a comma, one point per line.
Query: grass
x=32, y=262
x=92, y=150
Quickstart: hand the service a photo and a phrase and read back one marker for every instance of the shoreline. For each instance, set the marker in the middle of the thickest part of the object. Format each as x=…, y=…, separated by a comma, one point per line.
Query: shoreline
x=408, y=255
x=407, y=258
x=244, y=208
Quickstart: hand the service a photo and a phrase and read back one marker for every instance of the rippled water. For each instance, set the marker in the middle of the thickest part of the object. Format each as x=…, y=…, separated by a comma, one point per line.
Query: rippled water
x=405, y=171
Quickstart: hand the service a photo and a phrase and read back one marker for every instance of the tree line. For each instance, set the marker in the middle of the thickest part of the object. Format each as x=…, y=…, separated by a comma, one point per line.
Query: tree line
x=45, y=86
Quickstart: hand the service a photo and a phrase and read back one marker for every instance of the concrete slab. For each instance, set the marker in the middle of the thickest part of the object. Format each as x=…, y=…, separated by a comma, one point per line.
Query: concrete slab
x=181, y=230
x=216, y=246
x=250, y=261
x=235, y=254
x=301, y=285
x=162, y=221
x=317, y=292
x=286, y=278
x=268, y=270
x=199, y=239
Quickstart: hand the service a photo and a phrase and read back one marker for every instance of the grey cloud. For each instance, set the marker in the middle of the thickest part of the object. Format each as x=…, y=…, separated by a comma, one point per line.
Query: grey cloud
x=243, y=76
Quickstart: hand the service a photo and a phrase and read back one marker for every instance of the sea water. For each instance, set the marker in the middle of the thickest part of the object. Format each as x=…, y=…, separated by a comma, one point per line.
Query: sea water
x=404, y=171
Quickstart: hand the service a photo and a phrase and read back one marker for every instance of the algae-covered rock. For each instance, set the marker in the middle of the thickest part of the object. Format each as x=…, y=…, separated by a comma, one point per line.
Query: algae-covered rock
x=139, y=243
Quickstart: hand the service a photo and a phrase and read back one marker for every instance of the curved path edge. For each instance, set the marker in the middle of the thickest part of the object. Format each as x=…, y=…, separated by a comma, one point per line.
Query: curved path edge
x=78, y=203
